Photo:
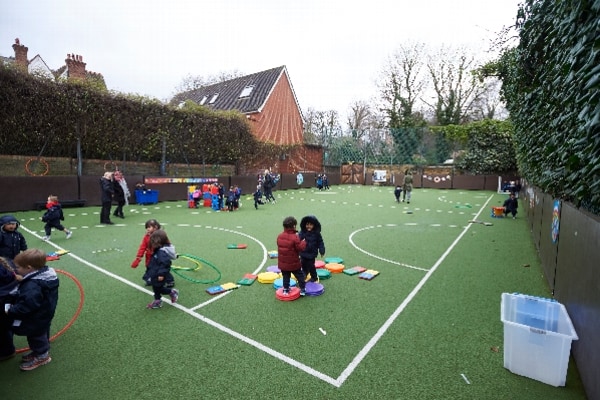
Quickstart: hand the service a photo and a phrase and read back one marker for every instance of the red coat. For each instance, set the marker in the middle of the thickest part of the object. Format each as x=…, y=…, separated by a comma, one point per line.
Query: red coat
x=145, y=249
x=289, y=247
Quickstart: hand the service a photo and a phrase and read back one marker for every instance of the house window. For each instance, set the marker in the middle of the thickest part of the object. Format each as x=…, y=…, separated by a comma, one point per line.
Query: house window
x=246, y=92
x=214, y=98
x=203, y=100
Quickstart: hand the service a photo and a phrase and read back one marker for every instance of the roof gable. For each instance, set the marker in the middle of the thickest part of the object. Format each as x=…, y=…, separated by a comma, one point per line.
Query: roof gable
x=235, y=94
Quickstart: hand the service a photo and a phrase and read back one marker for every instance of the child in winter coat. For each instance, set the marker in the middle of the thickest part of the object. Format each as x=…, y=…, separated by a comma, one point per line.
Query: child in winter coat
x=397, y=193
x=310, y=231
x=160, y=267
x=289, y=246
x=258, y=197
x=12, y=242
x=146, y=250
x=52, y=218
x=33, y=309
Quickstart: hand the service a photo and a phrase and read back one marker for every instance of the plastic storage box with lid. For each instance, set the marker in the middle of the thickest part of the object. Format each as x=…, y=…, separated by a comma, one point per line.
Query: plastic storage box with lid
x=146, y=196
x=537, y=337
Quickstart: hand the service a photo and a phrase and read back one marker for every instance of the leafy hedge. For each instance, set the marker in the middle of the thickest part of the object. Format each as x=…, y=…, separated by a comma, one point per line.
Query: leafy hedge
x=41, y=117
x=551, y=84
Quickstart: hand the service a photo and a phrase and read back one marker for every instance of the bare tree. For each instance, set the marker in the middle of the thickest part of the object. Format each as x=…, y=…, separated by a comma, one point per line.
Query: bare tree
x=321, y=126
x=455, y=85
x=192, y=82
x=402, y=85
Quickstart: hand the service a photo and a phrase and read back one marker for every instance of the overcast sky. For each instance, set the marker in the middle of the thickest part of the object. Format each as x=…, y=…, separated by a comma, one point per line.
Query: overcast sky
x=334, y=50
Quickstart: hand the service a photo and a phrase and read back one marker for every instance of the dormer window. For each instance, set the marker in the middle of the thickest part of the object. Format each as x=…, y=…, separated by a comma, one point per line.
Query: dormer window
x=214, y=98
x=246, y=92
x=203, y=100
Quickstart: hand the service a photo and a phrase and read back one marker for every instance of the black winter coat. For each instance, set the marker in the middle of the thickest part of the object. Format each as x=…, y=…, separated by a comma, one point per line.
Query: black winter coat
x=35, y=303
x=11, y=242
x=314, y=240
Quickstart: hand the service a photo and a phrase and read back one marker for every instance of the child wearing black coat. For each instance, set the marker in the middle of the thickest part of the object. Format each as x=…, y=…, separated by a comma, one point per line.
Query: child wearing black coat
x=33, y=308
x=310, y=230
x=52, y=218
x=159, y=268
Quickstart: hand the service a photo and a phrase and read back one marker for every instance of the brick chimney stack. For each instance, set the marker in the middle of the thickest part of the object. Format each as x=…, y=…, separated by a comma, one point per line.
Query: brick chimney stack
x=75, y=66
x=20, y=54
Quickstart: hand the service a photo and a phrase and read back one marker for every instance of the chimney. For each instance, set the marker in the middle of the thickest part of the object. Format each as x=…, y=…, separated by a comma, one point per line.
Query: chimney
x=20, y=54
x=75, y=66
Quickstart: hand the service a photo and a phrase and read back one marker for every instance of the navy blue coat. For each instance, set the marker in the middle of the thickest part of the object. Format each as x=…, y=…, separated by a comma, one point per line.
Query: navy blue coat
x=54, y=214
x=314, y=240
x=11, y=243
x=160, y=265
x=35, y=303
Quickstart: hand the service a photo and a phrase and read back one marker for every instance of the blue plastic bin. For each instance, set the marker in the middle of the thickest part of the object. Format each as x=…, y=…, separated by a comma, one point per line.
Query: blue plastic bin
x=146, y=196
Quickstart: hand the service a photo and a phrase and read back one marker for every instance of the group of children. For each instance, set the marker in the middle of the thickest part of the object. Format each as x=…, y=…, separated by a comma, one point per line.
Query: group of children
x=297, y=251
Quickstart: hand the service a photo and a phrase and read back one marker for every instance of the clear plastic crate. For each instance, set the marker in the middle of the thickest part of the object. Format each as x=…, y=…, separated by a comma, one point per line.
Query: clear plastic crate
x=537, y=337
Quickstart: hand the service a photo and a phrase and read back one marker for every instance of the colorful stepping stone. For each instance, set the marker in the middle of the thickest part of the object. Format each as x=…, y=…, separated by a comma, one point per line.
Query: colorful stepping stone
x=237, y=246
x=247, y=280
x=272, y=253
x=354, y=270
x=334, y=268
x=273, y=268
x=292, y=295
x=267, y=277
x=336, y=260
x=319, y=264
x=323, y=273
x=368, y=274
x=314, y=289
x=279, y=283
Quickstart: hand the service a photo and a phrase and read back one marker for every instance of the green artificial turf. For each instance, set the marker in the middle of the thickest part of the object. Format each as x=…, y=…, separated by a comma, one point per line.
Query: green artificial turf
x=425, y=326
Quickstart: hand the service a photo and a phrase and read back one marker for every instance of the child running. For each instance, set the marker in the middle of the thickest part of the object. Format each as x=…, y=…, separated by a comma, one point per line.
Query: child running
x=160, y=267
x=310, y=231
x=289, y=246
x=52, y=217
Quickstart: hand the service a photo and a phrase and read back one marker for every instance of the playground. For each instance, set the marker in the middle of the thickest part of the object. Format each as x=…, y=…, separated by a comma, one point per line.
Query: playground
x=423, y=324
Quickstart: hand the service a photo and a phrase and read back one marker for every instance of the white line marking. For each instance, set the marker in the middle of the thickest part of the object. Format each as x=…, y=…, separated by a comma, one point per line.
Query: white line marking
x=373, y=341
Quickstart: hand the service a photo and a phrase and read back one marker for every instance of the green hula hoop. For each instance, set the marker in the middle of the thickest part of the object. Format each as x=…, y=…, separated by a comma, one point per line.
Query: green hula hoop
x=185, y=257
x=193, y=258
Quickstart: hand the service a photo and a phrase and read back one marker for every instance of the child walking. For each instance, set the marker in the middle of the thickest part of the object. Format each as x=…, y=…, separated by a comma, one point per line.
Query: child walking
x=33, y=309
x=289, y=246
x=397, y=193
x=310, y=231
x=52, y=218
x=146, y=250
x=160, y=267
x=258, y=197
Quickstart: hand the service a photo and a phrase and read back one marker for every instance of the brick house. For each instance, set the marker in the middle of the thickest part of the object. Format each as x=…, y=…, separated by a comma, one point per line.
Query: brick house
x=74, y=68
x=268, y=101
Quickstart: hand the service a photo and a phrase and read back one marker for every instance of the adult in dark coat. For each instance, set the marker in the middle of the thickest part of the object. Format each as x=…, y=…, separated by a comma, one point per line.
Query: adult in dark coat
x=108, y=190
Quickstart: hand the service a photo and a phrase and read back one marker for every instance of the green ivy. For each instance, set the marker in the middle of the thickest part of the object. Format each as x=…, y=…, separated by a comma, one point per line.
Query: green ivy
x=551, y=84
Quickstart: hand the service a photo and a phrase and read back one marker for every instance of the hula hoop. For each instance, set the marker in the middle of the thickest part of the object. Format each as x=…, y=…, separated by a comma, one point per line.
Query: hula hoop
x=186, y=257
x=113, y=164
x=197, y=260
x=34, y=174
x=77, y=312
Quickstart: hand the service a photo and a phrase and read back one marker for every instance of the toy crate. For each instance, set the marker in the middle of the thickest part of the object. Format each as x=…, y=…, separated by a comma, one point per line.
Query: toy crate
x=537, y=337
x=146, y=196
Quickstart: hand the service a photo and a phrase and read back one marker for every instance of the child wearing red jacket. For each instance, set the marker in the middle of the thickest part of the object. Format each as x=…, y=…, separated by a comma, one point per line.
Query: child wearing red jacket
x=146, y=251
x=289, y=246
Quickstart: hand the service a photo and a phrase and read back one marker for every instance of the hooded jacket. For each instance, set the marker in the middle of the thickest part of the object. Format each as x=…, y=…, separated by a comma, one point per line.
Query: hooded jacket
x=160, y=264
x=11, y=242
x=35, y=303
x=314, y=239
x=289, y=246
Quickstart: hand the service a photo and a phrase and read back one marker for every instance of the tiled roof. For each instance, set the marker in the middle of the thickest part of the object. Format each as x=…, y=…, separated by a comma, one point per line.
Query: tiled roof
x=228, y=92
